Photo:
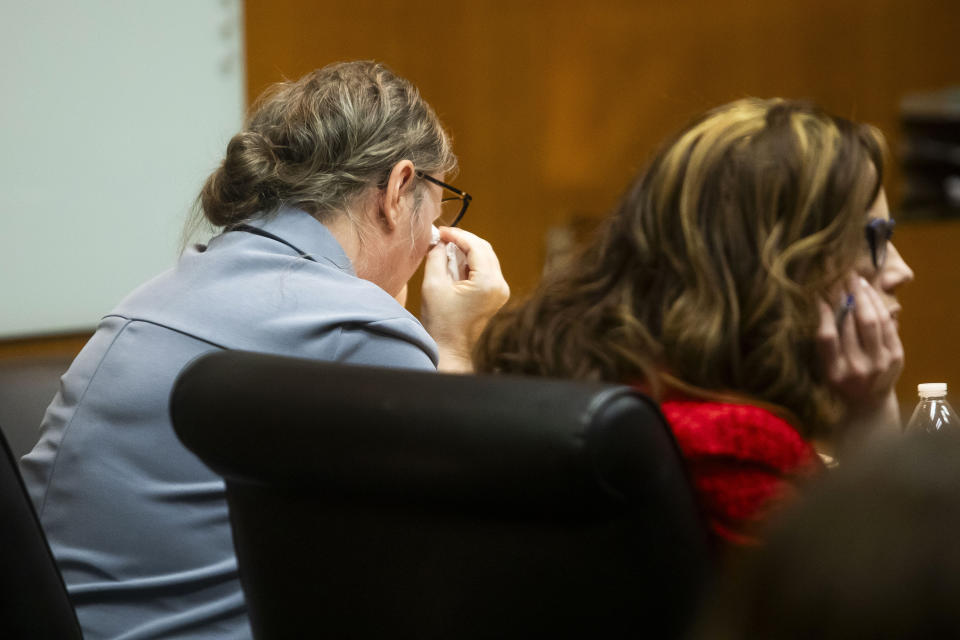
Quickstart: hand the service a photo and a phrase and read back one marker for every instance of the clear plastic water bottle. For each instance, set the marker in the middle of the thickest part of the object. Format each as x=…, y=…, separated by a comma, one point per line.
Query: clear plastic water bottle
x=933, y=413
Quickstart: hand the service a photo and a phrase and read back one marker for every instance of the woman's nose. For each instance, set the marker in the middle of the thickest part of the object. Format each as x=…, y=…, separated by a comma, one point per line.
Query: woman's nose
x=896, y=271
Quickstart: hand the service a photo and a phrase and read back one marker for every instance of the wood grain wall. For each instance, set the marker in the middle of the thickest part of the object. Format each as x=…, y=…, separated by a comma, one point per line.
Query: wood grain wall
x=554, y=106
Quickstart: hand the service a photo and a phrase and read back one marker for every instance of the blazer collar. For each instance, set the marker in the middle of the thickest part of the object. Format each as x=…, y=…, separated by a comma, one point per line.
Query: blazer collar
x=305, y=232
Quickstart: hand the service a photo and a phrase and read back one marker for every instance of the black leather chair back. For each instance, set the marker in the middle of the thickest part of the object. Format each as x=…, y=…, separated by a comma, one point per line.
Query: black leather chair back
x=371, y=503
x=33, y=599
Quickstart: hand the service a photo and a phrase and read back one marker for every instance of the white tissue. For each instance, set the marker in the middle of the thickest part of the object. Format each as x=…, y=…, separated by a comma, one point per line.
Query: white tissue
x=456, y=262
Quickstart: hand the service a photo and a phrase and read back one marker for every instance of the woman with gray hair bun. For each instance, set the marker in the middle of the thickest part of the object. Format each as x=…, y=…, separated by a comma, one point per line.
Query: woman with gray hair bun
x=327, y=203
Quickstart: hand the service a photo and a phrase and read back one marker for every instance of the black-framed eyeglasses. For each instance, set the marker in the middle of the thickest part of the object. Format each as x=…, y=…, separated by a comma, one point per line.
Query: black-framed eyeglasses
x=454, y=207
x=879, y=231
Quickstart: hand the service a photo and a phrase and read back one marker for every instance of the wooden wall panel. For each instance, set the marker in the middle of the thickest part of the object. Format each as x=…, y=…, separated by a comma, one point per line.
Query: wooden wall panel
x=555, y=106
x=65, y=346
x=930, y=323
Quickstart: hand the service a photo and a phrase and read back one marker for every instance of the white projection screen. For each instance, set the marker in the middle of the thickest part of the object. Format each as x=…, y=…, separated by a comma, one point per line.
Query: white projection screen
x=112, y=115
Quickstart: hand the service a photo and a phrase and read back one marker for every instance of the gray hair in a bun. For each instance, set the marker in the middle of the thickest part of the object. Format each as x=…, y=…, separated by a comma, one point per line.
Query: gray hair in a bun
x=319, y=142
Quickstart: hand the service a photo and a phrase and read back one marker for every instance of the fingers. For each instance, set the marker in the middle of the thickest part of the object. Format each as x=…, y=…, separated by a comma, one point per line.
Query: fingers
x=435, y=266
x=892, y=349
x=436, y=258
x=455, y=311
x=847, y=327
x=860, y=351
x=828, y=341
x=868, y=317
x=480, y=255
x=888, y=326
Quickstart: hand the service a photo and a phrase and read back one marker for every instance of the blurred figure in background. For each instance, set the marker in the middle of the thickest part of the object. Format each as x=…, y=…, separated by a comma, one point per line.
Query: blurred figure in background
x=325, y=202
x=747, y=281
x=871, y=553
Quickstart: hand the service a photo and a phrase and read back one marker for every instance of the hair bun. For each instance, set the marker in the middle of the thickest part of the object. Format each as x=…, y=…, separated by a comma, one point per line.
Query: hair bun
x=243, y=184
x=317, y=143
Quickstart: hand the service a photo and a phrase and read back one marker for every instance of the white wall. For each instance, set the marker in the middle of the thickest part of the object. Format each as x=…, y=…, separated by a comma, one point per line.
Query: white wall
x=112, y=114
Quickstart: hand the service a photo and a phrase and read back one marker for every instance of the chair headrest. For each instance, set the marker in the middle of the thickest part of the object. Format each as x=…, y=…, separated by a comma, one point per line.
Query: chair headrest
x=531, y=442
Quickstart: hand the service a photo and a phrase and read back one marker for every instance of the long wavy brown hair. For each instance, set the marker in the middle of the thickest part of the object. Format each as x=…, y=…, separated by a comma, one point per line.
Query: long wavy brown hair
x=706, y=277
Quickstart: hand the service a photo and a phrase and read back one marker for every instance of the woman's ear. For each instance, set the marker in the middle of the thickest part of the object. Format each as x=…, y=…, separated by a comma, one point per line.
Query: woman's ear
x=396, y=201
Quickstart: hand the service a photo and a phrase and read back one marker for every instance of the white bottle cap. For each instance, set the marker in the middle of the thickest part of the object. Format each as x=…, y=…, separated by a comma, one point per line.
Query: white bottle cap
x=932, y=389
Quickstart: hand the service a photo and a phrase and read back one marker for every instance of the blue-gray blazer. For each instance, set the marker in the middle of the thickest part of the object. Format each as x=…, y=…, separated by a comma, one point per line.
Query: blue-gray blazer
x=138, y=525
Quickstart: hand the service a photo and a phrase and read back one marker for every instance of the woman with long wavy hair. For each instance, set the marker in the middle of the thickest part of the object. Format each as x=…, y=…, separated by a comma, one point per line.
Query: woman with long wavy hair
x=747, y=281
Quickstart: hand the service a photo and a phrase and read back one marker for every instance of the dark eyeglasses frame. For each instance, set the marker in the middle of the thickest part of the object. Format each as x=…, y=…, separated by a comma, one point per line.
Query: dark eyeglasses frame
x=462, y=196
x=879, y=231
